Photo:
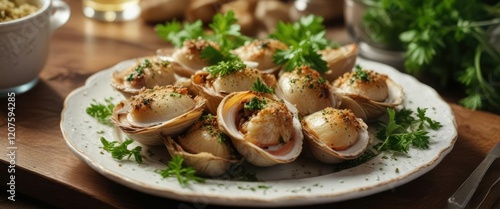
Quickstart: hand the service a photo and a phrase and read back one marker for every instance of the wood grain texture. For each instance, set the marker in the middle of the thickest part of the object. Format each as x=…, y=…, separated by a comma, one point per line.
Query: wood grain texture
x=48, y=171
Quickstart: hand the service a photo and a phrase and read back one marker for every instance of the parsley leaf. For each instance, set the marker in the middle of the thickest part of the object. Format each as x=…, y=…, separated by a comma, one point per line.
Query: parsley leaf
x=404, y=130
x=300, y=55
x=227, y=31
x=177, y=34
x=309, y=28
x=226, y=67
x=101, y=111
x=360, y=74
x=449, y=40
x=119, y=151
x=183, y=174
x=255, y=104
x=258, y=86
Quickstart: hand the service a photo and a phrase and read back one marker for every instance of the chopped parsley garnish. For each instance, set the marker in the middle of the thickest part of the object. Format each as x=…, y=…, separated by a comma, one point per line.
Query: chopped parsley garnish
x=101, y=111
x=183, y=174
x=222, y=138
x=223, y=68
x=146, y=101
x=175, y=94
x=360, y=74
x=255, y=104
x=259, y=86
x=119, y=151
x=139, y=70
x=404, y=130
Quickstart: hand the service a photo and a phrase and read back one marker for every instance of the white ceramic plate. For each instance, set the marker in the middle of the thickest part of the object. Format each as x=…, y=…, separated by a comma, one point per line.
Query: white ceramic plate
x=299, y=183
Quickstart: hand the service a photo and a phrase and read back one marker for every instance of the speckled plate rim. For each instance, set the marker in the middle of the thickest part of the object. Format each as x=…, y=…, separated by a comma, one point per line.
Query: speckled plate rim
x=347, y=184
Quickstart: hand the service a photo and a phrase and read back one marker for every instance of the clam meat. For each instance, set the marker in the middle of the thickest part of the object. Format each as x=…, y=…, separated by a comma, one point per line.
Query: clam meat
x=261, y=52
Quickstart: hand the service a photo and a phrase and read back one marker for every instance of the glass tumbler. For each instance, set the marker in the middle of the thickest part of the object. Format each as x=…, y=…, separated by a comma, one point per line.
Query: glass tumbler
x=111, y=10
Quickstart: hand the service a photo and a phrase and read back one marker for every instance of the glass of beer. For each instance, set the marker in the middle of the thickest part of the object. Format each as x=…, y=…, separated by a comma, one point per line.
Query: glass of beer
x=111, y=10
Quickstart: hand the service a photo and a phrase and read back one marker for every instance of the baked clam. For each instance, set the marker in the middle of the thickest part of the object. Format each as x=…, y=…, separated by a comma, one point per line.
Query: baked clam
x=264, y=130
x=217, y=81
x=339, y=60
x=261, y=51
x=204, y=148
x=368, y=93
x=334, y=135
x=147, y=73
x=162, y=110
x=186, y=60
x=307, y=90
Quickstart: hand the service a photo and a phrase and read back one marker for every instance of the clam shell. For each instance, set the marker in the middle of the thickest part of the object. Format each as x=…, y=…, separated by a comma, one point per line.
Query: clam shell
x=119, y=82
x=151, y=134
x=321, y=151
x=340, y=60
x=200, y=87
x=227, y=118
x=370, y=110
x=204, y=163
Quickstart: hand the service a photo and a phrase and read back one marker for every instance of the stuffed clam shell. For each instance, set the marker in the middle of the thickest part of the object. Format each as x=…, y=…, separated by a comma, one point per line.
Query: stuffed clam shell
x=186, y=60
x=162, y=110
x=307, y=90
x=261, y=52
x=368, y=93
x=333, y=135
x=264, y=130
x=147, y=73
x=214, y=86
x=204, y=147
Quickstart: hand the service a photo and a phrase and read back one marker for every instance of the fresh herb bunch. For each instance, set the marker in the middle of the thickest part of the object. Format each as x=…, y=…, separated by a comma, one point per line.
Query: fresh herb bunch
x=183, y=174
x=119, y=151
x=304, y=39
x=448, y=39
x=226, y=33
x=101, y=111
x=404, y=129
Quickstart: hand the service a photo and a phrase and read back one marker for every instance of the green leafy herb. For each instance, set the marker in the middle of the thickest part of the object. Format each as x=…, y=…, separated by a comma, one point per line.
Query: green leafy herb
x=449, y=40
x=183, y=174
x=177, y=34
x=119, y=151
x=404, y=130
x=255, y=104
x=258, y=86
x=360, y=74
x=308, y=28
x=226, y=31
x=299, y=55
x=215, y=56
x=101, y=111
x=226, y=67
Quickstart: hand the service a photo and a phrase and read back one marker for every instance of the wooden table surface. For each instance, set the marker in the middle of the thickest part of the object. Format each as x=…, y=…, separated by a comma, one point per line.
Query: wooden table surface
x=49, y=175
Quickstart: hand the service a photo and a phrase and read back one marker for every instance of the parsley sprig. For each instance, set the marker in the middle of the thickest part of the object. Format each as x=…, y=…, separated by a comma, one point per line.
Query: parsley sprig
x=120, y=150
x=259, y=86
x=360, y=74
x=101, y=111
x=225, y=32
x=450, y=40
x=404, y=129
x=304, y=38
x=183, y=174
